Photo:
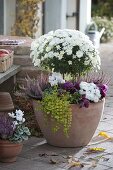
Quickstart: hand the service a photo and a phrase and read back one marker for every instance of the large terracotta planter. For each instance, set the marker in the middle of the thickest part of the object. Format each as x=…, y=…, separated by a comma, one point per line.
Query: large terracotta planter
x=84, y=124
x=9, y=151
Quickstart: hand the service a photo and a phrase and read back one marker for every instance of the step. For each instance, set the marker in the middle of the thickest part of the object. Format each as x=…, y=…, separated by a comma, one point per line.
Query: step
x=23, y=60
x=32, y=71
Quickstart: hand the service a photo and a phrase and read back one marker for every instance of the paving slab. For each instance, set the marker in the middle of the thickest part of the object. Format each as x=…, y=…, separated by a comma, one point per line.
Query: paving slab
x=38, y=155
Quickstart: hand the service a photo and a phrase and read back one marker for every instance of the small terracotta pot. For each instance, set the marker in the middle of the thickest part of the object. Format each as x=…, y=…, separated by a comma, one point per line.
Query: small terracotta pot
x=9, y=151
x=84, y=124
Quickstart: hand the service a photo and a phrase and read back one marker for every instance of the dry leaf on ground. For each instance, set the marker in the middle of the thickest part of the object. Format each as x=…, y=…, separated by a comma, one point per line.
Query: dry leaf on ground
x=95, y=150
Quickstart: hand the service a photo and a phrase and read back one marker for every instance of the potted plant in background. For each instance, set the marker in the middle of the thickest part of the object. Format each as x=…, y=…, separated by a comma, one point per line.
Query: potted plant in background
x=68, y=111
x=12, y=133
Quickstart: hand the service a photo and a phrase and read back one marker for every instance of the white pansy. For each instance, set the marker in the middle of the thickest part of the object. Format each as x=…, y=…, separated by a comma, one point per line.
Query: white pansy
x=56, y=78
x=83, y=85
x=90, y=90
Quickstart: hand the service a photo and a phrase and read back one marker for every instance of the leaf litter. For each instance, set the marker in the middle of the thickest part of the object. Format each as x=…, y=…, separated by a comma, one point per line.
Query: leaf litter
x=86, y=159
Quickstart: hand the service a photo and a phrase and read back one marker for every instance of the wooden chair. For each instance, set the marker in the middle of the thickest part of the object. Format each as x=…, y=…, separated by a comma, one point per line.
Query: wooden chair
x=6, y=103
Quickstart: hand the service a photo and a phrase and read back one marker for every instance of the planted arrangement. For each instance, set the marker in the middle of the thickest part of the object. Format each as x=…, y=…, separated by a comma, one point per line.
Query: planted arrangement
x=70, y=56
x=59, y=94
x=12, y=127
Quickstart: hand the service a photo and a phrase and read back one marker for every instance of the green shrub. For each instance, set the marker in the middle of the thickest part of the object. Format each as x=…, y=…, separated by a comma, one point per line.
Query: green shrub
x=108, y=25
x=103, y=8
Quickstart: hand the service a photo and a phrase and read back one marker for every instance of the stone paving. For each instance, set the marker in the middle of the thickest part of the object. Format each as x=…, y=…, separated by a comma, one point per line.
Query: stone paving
x=38, y=155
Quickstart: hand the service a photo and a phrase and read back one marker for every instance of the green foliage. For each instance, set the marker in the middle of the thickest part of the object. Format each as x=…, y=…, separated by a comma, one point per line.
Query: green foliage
x=78, y=68
x=21, y=133
x=108, y=25
x=75, y=98
x=57, y=109
x=103, y=8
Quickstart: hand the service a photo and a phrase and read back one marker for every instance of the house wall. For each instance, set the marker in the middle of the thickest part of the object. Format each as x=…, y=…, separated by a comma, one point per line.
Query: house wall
x=9, y=15
x=1, y=17
x=85, y=14
x=72, y=14
x=52, y=15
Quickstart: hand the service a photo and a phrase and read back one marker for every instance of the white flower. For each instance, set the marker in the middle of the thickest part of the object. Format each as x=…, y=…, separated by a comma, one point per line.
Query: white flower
x=91, y=91
x=15, y=123
x=79, y=54
x=74, y=56
x=69, y=52
x=12, y=115
x=37, y=62
x=56, y=78
x=23, y=120
x=70, y=62
x=48, y=49
x=19, y=115
x=58, y=47
x=60, y=44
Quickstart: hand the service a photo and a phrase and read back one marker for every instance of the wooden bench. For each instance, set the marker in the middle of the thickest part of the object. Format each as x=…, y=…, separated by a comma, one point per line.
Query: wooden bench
x=11, y=72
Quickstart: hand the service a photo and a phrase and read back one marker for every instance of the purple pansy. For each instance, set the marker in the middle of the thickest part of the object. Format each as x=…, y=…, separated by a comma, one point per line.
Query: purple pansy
x=103, y=89
x=84, y=102
x=70, y=87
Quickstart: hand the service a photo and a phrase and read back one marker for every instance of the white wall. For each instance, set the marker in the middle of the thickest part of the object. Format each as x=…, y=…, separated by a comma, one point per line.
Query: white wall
x=55, y=14
x=63, y=20
x=9, y=15
x=85, y=14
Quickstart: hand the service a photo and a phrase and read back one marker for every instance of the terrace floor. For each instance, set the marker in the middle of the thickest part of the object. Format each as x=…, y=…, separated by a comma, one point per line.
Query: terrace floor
x=38, y=155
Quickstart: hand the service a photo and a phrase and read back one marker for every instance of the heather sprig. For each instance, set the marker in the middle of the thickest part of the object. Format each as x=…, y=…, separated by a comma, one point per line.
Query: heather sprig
x=6, y=126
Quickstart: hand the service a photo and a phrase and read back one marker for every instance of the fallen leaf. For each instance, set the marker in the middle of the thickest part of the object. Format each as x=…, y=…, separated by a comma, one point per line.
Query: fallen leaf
x=74, y=163
x=48, y=154
x=95, y=150
x=106, y=159
x=53, y=161
x=42, y=154
x=94, y=164
x=104, y=134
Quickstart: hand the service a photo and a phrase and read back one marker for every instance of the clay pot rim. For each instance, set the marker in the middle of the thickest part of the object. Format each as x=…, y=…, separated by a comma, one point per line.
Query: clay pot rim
x=7, y=142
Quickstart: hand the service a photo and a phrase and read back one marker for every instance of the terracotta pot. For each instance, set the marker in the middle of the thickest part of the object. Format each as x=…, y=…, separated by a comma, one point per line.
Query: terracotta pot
x=84, y=124
x=9, y=151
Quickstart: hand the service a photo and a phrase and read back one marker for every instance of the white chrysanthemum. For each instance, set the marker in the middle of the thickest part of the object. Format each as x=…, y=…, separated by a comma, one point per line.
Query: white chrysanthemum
x=70, y=62
x=79, y=54
x=60, y=44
